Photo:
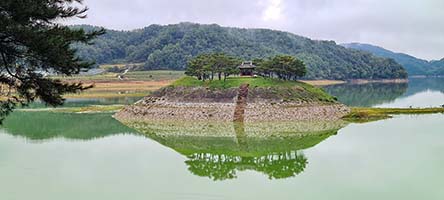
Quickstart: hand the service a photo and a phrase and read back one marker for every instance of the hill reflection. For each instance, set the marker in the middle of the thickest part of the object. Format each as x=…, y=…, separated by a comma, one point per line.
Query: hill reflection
x=220, y=150
x=50, y=125
x=367, y=95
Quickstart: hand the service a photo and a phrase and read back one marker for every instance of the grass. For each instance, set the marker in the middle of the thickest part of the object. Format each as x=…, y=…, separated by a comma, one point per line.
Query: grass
x=298, y=90
x=361, y=115
x=234, y=82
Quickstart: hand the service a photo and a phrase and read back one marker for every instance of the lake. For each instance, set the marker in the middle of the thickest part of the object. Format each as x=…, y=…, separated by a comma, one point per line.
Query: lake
x=417, y=93
x=52, y=156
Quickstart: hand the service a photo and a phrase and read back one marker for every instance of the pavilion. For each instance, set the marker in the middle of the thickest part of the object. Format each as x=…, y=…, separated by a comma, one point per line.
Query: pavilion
x=247, y=68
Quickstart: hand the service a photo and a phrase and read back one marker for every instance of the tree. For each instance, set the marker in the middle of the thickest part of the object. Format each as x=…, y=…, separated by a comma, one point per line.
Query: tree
x=196, y=67
x=32, y=45
x=286, y=67
x=282, y=66
x=206, y=66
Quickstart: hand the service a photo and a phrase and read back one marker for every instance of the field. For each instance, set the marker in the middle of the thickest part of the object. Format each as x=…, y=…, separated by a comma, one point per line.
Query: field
x=133, y=84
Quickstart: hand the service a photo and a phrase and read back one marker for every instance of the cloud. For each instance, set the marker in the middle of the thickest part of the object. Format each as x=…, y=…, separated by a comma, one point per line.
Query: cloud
x=273, y=11
x=410, y=26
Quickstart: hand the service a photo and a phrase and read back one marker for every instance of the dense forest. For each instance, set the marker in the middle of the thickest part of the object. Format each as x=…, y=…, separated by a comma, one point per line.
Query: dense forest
x=413, y=65
x=172, y=46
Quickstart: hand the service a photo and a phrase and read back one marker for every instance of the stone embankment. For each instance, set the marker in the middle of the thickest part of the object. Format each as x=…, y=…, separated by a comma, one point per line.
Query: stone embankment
x=242, y=104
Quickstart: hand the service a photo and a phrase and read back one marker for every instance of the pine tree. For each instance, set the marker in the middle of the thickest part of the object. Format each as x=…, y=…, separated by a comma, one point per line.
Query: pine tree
x=33, y=44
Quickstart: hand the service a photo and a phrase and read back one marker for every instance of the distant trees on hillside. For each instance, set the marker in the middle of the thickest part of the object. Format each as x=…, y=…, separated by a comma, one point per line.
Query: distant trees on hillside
x=172, y=46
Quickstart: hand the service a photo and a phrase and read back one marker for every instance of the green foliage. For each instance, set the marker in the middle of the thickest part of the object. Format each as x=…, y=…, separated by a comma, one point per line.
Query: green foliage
x=33, y=44
x=172, y=46
x=281, y=66
x=206, y=66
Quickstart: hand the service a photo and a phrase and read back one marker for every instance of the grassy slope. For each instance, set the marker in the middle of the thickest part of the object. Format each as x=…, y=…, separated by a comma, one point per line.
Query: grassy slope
x=235, y=82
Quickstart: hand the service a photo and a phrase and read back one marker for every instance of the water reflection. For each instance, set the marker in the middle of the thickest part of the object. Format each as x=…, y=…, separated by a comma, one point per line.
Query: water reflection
x=82, y=102
x=223, y=167
x=367, y=95
x=419, y=92
x=220, y=150
x=417, y=85
x=39, y=126
x=422, y=93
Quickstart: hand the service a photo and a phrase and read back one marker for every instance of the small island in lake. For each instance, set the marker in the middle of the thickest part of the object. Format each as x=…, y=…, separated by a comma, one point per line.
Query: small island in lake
x=266, y=92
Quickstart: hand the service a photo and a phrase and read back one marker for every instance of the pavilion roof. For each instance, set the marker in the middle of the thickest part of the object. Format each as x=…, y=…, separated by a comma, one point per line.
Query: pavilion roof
x=247, y=65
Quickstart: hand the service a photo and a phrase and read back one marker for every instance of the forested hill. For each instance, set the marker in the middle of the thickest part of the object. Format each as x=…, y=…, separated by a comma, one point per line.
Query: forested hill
x=170, y=46
x=414, y=66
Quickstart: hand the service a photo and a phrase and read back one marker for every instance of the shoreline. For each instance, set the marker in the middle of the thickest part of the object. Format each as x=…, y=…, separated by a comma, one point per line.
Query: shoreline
x=323, y=82
x=366, y=81
x=326, y=82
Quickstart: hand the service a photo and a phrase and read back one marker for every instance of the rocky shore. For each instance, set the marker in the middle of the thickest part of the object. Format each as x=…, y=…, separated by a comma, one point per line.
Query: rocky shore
x=221, y=105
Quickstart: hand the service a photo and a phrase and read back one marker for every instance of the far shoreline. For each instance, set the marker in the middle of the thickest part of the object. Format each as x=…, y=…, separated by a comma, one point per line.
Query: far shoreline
x=352, y=81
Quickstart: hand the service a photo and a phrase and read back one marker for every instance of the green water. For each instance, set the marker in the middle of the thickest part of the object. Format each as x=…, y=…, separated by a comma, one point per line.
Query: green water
x=83, y=102
x=52, y=156
x=418, y=92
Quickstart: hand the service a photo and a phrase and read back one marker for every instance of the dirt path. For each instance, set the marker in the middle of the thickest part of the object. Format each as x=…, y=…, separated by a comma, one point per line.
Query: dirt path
x=241, y=103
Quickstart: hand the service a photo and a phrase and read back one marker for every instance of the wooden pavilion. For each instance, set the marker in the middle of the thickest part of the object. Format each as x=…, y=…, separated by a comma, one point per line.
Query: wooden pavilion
x=247, y=68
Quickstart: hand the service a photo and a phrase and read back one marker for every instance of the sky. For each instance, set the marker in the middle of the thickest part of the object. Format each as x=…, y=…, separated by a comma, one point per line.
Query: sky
x=415, y=27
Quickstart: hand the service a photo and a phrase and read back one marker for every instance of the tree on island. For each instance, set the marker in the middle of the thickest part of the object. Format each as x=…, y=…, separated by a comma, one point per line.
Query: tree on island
x=206, y=66
x=283, y=67
x=32, y=44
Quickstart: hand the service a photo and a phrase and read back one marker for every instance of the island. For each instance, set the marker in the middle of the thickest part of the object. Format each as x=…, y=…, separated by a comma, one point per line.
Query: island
x=229, y=92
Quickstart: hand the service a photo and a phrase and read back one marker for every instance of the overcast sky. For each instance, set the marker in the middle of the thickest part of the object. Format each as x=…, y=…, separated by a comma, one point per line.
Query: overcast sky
x=415, y=27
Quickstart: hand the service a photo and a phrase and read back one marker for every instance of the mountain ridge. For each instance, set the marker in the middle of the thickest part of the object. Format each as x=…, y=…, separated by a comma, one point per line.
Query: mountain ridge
x=413, y=65
x=171, y=46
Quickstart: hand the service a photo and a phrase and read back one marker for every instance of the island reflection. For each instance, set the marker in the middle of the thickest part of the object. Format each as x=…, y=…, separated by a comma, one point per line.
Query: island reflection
x=220, y=150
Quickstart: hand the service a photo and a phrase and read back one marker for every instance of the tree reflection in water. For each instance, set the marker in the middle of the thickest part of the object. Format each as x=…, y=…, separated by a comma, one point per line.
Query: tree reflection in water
x=220, y=150
x=222, y=167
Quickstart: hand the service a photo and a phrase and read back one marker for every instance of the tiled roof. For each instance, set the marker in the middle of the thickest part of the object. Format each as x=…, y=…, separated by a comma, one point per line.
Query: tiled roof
x=247, y=65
